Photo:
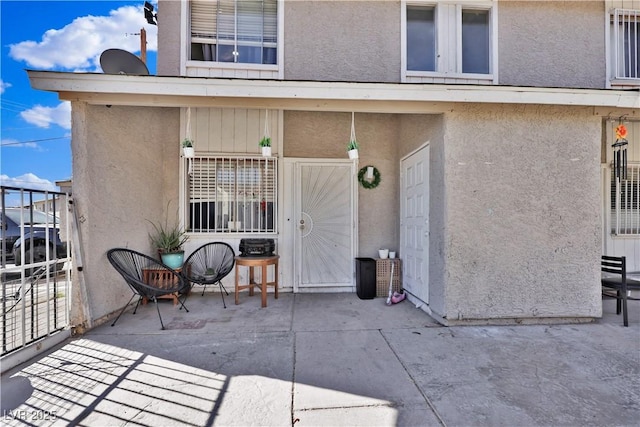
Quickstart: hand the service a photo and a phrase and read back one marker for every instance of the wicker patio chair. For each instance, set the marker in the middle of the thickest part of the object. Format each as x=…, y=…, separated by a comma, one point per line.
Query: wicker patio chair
x=208, y=265
x=148, y=278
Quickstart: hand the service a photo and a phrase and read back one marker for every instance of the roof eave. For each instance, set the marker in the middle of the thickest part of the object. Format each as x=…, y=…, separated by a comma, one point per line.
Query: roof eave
x=108, y=89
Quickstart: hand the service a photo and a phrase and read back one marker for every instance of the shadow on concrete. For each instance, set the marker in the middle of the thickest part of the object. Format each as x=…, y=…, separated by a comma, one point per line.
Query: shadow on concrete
x=332, y=359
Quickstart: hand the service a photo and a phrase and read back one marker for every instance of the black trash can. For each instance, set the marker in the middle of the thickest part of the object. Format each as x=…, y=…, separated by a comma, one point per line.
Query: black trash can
x=366, y=278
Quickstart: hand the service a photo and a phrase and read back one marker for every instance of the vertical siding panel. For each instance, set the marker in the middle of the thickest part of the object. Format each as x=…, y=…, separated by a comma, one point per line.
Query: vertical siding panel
x=276, y=131
x=255, y=130
x=240, y=131
x=199, y=128
x=227, y=130
x=623, y=4
x=215, y=129
x=183, y=122
x=274, y=127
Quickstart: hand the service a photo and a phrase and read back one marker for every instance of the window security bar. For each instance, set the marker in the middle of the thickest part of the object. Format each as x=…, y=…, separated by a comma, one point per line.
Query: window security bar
x=625, y=203
x=233, y=195
x=626, y=43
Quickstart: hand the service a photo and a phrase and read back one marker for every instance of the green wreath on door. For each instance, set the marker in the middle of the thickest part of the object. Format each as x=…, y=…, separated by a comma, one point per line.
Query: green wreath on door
x=366, y=183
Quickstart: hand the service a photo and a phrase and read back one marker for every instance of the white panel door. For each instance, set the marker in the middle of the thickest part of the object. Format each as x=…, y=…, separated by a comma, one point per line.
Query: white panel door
x=414, y=223
x=325, y=226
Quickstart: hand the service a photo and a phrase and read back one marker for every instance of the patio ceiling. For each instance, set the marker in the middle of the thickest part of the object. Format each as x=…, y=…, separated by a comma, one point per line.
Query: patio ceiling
x=158, y=91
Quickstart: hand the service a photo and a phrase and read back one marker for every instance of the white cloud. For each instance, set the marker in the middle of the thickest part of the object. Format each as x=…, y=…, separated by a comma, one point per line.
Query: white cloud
x=77, y=46
x=43, y=117
x=4, y=86
x=28, y=180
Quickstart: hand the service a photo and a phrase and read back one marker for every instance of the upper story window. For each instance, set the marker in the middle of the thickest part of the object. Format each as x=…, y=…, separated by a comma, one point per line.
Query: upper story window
x=234, y=31
x=625, y=46
x=448, y=40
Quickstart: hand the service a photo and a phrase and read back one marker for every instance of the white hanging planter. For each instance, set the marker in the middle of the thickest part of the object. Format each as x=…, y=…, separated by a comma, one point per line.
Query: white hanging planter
x=265, y=142
x=187, y=143
x=352, y=147
x=188, y=152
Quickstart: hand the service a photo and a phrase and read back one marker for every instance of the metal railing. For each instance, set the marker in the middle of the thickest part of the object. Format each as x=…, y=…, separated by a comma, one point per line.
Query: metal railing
x=35, y=266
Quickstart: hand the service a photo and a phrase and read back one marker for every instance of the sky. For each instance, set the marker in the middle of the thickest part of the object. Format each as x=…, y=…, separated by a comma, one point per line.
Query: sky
x=69, y=36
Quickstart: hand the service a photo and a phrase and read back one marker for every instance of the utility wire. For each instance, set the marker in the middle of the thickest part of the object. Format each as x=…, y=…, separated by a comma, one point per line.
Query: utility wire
x=33, y=140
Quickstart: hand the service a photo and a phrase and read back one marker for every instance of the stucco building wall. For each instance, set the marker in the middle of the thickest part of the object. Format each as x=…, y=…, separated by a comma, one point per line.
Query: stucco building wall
x=168, y=62
x=360, y=43
x=129, y=174
x=522, y=212
x=544, y=43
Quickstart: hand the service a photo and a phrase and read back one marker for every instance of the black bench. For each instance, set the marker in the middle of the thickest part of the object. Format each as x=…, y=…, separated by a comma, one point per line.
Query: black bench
x=617, y=279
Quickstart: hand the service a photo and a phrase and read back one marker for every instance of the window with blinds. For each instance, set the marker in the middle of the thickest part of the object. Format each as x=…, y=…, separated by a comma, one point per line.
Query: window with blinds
x=233, y=195
x=625, y=202
x=236, y=31
x=625, y=42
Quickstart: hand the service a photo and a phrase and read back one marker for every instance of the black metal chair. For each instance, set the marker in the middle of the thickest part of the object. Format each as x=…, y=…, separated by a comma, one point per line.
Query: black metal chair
x=147, y=277
x=616, y=278
x=208, y=265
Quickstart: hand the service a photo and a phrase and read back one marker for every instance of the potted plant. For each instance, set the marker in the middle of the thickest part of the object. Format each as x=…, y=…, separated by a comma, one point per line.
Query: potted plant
x=265, y=144
x=352, y=149
x=169, y=241
x=187, y=148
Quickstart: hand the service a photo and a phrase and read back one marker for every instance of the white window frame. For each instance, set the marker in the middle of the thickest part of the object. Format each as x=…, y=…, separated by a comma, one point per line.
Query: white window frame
x=449, y=43
x=630, y=17
x=230, y=69
x=240, y=214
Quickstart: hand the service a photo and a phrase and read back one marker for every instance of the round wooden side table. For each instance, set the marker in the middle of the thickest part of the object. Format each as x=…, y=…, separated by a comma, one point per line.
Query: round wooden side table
x=252, y=262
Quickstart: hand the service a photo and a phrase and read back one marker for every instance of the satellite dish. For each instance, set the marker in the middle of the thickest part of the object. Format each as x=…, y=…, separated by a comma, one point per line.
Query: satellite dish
x=118, y=61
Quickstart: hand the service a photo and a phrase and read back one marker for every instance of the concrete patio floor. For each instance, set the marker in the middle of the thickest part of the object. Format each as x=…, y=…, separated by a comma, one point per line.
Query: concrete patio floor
x=329, y=359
